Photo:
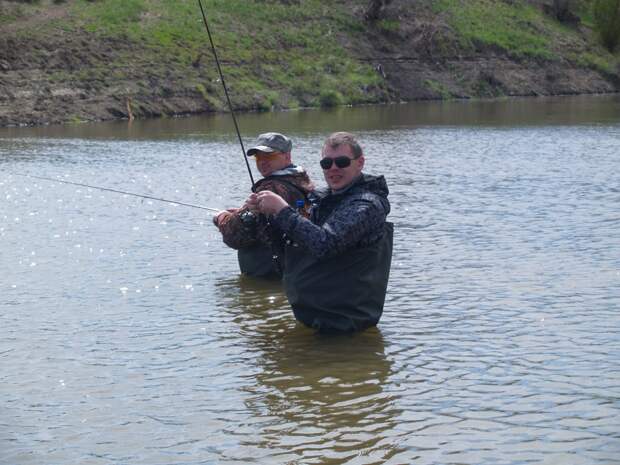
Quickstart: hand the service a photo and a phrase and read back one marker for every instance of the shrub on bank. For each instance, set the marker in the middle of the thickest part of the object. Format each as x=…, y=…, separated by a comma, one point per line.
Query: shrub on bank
x=607, y=21
x=330, y=98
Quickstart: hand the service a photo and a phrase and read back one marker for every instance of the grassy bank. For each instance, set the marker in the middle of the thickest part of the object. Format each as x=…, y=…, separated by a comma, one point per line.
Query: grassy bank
x=274, y=54
x=153, y=56
x=524, y=31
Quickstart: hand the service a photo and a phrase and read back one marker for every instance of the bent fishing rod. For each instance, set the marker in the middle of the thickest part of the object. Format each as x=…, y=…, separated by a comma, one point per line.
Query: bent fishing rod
x=117, y=191
x=230, y=107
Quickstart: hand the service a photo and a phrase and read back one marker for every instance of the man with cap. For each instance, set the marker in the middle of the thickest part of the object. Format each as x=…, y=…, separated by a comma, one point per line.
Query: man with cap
x=257, y=241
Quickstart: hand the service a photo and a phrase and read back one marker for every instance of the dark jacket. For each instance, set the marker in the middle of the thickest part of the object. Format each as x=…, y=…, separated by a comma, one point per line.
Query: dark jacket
x=259, y=243
x=341, y=220
x=338, y=262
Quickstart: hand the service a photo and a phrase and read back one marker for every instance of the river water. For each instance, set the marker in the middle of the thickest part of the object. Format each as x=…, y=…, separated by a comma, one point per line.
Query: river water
x=127, y=335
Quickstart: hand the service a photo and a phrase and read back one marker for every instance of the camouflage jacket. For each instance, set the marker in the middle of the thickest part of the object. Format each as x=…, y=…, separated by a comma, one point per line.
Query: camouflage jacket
x=342, y=220
x=243, y=229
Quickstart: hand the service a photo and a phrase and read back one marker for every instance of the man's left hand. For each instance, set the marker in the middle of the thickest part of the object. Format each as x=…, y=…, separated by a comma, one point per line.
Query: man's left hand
x=223, y=216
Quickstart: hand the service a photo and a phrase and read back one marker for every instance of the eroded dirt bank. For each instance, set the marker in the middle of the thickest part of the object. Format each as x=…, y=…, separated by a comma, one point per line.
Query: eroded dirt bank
x=76, y=76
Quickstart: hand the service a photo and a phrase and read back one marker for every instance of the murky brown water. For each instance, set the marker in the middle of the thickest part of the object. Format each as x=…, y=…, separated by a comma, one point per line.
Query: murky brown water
x=127, y=336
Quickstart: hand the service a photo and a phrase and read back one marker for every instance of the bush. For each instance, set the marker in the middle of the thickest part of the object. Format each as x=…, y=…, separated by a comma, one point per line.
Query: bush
x=607, y=21
x=563, y=11
x=330, y=98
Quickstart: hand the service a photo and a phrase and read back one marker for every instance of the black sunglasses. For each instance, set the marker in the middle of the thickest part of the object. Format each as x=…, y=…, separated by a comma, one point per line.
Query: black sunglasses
x=341, y=162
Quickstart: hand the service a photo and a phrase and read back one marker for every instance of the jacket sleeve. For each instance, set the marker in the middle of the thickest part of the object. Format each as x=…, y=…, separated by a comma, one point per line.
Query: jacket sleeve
x=235, y=233
x=344, y=229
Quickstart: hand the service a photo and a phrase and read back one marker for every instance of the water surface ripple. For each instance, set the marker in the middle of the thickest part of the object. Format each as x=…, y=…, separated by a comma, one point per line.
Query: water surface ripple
x=128, y=337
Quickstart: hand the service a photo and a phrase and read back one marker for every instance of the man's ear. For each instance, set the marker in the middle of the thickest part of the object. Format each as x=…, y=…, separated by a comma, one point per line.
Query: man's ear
x=361, y=162
x=288, y=157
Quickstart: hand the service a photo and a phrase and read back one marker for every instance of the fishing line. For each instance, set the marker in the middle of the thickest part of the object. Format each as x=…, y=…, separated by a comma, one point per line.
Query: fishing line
x=230, y=107
x=159, y=199
x=143, y=196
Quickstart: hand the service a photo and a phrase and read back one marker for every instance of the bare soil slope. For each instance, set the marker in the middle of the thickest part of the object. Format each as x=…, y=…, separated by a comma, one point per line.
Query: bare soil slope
x=64, y=75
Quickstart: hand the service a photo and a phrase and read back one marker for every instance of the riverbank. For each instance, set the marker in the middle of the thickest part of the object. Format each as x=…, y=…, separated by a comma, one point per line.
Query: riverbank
x=112, y=59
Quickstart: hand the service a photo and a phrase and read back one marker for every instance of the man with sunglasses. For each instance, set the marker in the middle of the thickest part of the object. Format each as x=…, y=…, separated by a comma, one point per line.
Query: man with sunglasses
x=337, y=262
x=258, y=243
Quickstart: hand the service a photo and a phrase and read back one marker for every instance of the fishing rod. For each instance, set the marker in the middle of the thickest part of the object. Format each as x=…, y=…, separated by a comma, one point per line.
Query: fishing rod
x=230, y=107
x=159, y=199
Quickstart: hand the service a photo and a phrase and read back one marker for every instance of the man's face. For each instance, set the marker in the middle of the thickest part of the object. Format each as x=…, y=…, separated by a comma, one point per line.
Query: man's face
x=339, y=178
x=267, y=163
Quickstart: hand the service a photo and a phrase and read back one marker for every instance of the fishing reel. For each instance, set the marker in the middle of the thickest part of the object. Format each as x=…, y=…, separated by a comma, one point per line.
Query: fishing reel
x=249, y=221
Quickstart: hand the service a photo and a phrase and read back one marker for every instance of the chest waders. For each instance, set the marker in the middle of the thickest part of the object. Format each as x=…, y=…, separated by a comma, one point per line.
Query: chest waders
x=259, y=261
x=344, y=293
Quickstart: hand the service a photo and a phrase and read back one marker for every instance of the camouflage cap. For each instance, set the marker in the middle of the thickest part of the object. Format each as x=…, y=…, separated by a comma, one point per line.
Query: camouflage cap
x=271, y=142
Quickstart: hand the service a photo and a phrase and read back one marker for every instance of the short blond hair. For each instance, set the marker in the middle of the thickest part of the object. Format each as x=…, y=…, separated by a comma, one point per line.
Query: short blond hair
x=337, y=139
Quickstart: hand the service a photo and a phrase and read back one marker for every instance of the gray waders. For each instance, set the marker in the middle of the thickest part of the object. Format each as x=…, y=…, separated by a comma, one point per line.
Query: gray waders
x=259, y=261
x=344, y=293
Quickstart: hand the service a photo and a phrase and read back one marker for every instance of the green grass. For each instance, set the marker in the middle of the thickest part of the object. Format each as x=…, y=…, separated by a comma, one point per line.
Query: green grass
x=10, y=12
x=518, y=28
x=606, y=64
x=523, y=31
x=256, y=55
x=7, y=18
x=586, y=13
x=438, y=89
x=279, y=54
x=389, y=25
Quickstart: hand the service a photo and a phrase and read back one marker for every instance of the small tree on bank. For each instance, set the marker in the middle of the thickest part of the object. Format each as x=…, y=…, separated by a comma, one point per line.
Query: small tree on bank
x=607, y=20
x=375, y=9
x=563, y=11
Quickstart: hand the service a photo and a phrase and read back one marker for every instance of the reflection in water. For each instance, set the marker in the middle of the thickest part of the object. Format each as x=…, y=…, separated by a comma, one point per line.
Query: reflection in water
x=509, y=112
x=311, y=391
